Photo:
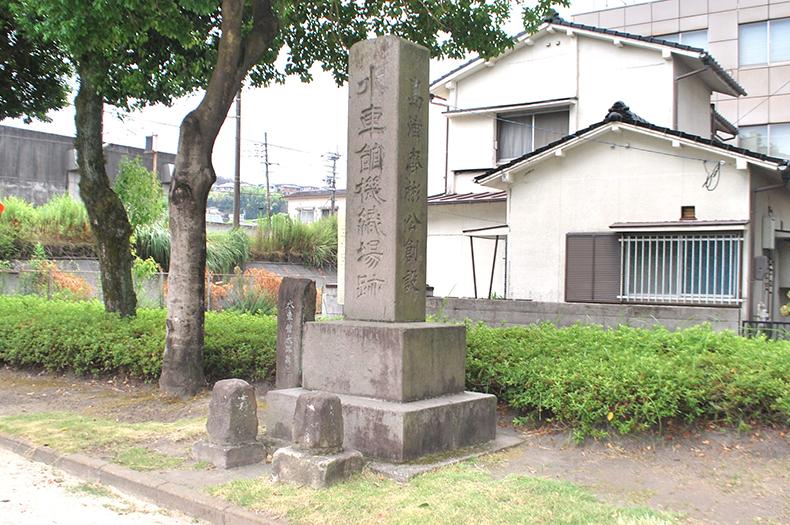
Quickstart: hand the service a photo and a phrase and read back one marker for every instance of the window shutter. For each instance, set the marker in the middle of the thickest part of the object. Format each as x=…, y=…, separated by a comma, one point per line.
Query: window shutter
x=579, y=251
x=606, y=269
x=592, y=268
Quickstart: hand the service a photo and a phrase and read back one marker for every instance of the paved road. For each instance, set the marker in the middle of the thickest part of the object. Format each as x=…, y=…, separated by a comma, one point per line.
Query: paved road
x=36, y=494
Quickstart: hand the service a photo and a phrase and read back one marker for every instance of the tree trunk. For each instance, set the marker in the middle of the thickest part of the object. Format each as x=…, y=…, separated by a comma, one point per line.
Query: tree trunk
x=182, y=367
x=109, y=223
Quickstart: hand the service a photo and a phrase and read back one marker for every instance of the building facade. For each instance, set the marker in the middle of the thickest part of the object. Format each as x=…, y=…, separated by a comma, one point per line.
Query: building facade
x=749, y=38
x=655, y=204
x=37, y=166
x=311, y=206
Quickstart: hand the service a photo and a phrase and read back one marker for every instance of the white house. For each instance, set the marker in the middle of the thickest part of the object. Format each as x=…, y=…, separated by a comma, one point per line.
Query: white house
x=310, y=206
x=601, y=205
x=625, y=211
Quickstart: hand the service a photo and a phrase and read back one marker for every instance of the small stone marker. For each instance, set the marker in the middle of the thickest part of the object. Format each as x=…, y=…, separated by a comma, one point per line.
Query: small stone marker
x=317, y=459
x=295, y=307
x=232, y=427
x=318, y=423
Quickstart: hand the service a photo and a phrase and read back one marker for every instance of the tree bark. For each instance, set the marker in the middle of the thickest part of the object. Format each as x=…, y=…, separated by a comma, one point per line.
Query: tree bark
x=182, y=366
x=109, y=223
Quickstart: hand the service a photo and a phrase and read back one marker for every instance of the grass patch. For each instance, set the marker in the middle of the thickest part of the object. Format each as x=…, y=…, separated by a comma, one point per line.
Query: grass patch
x=454, y=495
x=68, y=432
x=145, y=459
x=91, y=489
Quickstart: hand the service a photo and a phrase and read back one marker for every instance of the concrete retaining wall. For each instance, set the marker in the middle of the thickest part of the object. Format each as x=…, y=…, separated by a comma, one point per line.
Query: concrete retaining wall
x=508, y=312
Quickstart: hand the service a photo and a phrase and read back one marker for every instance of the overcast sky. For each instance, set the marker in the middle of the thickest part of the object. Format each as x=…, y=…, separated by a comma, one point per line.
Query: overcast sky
x=303, y=121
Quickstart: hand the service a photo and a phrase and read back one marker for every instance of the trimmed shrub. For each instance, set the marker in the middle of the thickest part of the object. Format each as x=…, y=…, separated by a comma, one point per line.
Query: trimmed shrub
x=593, y=379
x=630, y=379
x=81, y=337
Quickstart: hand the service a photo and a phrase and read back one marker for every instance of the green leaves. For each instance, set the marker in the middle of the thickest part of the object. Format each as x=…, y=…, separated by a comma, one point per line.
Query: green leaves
x=141, y=193
x=33, y=73
x=630, y=379
x=81, y=337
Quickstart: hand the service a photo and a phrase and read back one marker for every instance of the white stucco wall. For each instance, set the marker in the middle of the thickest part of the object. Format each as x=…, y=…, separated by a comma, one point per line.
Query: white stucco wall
x=449, y=257
x=693, y=100
x=594, y=186
x=472, y=142
x=602, y=74
x=530, y=73
x=639, y=77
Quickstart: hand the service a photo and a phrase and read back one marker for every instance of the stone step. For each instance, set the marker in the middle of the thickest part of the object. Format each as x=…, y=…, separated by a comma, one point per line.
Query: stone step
x=394, y=431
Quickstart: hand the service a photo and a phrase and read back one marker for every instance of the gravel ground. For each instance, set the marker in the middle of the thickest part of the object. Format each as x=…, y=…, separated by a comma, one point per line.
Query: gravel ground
x=36, y=494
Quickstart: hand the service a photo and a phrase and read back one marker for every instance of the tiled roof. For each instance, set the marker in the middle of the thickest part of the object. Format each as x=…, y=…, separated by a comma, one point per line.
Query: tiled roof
x=704, y=56
x=619, y=112
x=467, y=198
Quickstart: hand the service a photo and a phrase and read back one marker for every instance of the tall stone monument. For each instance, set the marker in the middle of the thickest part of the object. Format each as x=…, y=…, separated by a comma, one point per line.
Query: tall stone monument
x=400, y=379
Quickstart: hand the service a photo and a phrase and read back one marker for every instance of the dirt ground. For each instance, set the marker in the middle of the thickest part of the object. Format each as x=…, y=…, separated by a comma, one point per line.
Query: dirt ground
x=711, y=474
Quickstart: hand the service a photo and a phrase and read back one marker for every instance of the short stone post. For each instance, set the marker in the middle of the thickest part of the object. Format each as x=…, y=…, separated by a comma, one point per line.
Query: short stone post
x=317, y=458
x=232, y=427
x=295, y=307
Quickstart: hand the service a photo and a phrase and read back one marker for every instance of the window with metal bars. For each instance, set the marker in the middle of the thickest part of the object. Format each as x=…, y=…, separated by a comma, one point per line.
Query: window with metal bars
x=689, y=268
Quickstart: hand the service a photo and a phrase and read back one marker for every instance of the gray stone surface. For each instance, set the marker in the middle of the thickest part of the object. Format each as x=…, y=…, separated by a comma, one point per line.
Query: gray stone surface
x=393, y=361
x=295, y=306
x=232, y=413
x=292, y=465
x=318, y=423
x=403, y=472
x=232, y=427
x=386, y=202
x=512, y=312
x=395, y=431
x=229, y=456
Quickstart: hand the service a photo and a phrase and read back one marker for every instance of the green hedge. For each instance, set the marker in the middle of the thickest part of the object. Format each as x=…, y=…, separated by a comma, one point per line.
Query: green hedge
x=81, y=337
x=589, y=377
x=630, y=379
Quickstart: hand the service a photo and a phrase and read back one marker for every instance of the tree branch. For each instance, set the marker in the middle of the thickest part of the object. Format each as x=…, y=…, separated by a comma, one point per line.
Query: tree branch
x=222, y=85
x=264, y=28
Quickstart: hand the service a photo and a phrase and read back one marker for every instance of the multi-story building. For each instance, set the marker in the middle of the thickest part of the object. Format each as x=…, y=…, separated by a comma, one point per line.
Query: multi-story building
x=749, y=38
x=581, y=199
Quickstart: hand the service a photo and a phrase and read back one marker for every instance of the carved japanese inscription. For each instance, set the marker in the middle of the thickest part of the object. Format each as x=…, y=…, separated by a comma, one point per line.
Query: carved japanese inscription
x=386, y=216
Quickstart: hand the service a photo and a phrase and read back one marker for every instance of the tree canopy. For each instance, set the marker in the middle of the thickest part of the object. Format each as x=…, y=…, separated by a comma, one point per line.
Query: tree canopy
x=33, y=73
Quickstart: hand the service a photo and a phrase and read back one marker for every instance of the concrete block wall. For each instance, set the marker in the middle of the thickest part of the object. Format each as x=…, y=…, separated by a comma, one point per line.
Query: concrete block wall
x=509, y=312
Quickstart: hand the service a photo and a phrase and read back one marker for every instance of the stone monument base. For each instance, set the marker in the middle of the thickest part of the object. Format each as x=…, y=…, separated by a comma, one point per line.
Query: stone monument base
x=229, y=456
x=394, y=431
x=291, y=465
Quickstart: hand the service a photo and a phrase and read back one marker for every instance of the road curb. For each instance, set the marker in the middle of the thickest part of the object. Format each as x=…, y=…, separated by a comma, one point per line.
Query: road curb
x=164, y=493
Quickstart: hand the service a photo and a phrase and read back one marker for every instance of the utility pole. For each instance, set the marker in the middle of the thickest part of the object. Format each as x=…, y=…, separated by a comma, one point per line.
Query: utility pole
x=262, y=152
x=266, y=168
x=237, y=179
x=331, y=178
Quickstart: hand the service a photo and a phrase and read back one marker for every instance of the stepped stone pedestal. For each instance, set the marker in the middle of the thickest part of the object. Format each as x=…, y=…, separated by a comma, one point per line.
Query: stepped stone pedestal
x=400, y=379
x=400, y=384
